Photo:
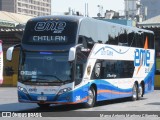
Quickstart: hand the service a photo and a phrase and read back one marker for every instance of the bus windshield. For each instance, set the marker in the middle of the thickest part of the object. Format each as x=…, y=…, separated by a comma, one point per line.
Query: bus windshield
x=44, y=67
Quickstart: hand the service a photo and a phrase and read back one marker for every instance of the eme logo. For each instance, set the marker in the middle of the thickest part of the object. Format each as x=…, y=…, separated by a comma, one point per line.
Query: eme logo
x=141, y=57
x=56, y=27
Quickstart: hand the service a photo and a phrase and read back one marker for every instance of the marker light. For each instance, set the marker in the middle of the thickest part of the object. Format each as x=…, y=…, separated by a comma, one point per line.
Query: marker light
x=46, y=53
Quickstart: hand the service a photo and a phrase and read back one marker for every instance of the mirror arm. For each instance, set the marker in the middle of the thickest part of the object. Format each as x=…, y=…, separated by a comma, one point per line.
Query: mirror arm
x=17, y=45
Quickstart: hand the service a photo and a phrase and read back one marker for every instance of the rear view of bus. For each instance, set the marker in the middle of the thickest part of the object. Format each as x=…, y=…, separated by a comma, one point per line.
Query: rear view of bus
x=1, y=63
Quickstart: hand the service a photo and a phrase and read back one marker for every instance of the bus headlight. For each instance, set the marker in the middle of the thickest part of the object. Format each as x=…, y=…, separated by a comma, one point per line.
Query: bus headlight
x=64, y=90
x=22, y=90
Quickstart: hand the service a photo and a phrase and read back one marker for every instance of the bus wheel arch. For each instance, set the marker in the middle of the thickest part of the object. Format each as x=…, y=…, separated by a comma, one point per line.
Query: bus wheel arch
x=92, y=95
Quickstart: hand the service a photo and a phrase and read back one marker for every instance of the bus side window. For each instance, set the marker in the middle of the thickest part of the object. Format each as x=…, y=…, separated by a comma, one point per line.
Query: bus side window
x=123, y=39
x=79, y=72
x=97, y=71
x=132, y=39
x=80, y=40
x=81, y=59
x=141, y=40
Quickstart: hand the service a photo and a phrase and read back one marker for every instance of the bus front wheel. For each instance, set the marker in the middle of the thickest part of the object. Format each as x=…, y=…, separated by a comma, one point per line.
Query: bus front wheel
x=91, y=98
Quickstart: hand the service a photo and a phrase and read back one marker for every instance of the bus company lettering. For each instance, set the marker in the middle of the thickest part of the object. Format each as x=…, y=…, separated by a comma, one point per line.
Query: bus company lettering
x=56, y=27
x=32, y=89
x=50, y=39
x=107, y=52
x=28, y=73
x=141, y=57
x=111, y=75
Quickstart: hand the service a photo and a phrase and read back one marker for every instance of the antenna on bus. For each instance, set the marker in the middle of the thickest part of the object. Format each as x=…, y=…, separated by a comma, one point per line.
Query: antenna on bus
x=86, y=10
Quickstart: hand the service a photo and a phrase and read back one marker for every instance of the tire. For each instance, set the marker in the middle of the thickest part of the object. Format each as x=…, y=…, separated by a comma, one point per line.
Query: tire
x=43, y=105
x=140, y=91
x=134, y=92
x=91, y=98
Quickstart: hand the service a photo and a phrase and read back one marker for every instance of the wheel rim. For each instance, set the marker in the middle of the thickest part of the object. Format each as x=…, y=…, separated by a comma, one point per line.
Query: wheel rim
x=134, y=92
x=140, y=91
x=90, y=97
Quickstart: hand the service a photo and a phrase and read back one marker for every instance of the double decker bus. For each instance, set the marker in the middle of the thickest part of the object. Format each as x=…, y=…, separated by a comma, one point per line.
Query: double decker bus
x=1, y=63
x=73, y=59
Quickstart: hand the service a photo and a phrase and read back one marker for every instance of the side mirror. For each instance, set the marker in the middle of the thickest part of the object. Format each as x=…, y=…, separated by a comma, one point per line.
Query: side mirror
x=10, y=52
x=72, y=54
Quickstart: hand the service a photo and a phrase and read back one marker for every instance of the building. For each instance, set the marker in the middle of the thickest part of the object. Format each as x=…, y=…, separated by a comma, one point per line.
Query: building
x=132, y=8
x=152, y=7
x=11, y=31
x=27, y=7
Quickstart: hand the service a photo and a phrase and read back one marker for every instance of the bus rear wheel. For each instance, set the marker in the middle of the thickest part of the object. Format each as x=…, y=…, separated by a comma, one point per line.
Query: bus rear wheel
x=134, y=92
x=140, y=91
x=91, y=98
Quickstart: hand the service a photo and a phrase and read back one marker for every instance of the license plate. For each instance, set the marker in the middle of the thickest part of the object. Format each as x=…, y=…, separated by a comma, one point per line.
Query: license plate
x=42, y=98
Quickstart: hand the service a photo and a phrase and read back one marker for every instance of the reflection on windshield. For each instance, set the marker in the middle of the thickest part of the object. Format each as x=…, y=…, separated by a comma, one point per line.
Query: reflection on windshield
x=44, y=67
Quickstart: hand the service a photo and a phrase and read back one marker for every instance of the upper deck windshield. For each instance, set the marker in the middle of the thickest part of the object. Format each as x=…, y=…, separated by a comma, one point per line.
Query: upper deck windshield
x=46, y=67
x=50, y=32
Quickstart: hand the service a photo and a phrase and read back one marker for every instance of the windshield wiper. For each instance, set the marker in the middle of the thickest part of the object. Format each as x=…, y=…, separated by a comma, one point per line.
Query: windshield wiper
x=46, y=80
x=30, y=79
x=67, y=81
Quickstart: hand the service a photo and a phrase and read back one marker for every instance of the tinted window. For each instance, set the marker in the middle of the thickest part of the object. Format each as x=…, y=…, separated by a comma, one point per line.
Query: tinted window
x=81, y=59
x=131, y=39
x=44, y=67
x=112, y=69
x=117, y=69
x=150, y=40
x=50, y=32
x=123, y=40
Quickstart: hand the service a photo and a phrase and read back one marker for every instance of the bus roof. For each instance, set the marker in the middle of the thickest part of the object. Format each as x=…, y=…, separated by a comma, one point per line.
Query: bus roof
x=81, y=18
x=57, y=17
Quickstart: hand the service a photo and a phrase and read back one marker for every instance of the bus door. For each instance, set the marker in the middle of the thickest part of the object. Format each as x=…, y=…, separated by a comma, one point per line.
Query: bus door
x=80, y=65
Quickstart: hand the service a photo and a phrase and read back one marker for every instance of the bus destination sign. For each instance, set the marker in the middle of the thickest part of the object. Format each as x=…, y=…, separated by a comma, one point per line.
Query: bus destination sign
x=49, y=39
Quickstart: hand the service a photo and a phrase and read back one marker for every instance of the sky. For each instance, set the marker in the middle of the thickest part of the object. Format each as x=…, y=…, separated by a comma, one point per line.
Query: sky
x=61, y=6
